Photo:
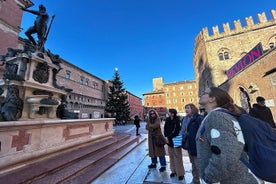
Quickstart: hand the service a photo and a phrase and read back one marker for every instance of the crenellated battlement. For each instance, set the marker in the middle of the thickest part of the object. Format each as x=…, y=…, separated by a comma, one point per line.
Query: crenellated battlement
x=249, y=25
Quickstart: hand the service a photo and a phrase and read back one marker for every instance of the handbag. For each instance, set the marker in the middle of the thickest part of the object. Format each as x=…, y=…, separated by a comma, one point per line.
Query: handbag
x=185, y=142
x=177, y=141
x=160, y=141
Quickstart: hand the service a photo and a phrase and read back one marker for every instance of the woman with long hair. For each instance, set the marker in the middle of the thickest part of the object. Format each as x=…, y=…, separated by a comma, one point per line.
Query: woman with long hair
x=220, y=141
x=154, y=133
x=189, y=127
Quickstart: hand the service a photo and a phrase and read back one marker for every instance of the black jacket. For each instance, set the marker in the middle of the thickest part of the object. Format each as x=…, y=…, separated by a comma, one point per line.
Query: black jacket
x=137, y=122
x=171, y=129
x=262, y=113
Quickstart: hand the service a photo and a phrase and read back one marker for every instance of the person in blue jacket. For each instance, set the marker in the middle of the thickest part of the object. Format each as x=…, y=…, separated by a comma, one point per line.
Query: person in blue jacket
x=189, y=127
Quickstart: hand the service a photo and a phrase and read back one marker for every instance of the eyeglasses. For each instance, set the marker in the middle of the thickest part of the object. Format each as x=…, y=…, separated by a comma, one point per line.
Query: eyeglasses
x=204, y=93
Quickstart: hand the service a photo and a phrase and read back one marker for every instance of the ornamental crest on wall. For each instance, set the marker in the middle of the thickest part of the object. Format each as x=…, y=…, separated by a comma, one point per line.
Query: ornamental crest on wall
x=41, y=73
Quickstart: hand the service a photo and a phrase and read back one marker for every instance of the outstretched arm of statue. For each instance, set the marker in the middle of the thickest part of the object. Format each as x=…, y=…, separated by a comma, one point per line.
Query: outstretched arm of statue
x=30, y=11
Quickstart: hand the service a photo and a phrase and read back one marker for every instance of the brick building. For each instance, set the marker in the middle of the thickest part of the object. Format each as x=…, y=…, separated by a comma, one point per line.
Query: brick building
x=89, y=94
x=215, y=56
x=10, y=21
x=135, y=105
x=171, y=95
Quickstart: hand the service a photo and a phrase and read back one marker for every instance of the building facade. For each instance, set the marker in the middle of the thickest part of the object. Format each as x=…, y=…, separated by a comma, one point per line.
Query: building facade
x=89, y=94
x=178, y=94
x=135, y=105
x=10, y=21
x=171, y=95
x=225, y=59
x=258, y=79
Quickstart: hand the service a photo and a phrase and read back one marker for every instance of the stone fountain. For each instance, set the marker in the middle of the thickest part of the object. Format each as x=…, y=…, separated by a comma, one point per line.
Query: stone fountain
x=29, y=88
x=34, y=121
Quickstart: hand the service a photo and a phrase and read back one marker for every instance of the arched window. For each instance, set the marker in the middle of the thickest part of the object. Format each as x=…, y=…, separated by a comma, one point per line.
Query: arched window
x=272, y=42
x=226, y=55
x=223, y=54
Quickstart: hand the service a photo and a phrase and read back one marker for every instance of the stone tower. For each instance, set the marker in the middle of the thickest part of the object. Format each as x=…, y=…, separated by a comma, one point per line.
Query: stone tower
x=216, y=53
x=157, y=84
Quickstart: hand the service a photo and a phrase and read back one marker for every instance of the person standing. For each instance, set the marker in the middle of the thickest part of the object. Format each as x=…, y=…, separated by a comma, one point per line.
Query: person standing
x=220, y=142
x=171, y=130
x=137, y=124
x=262, y=112
x=189, y=127
x=154, y=132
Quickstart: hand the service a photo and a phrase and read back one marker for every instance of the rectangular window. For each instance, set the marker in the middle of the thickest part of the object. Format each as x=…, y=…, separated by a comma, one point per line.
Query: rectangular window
x=81, y=81
x=86, y=82
x=67, y=75
x=95, y=85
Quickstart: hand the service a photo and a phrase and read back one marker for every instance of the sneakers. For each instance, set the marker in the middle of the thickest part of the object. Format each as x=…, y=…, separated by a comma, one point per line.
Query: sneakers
x=162, y=169
x=180, y=177
x=151, y=166
x=172, y=175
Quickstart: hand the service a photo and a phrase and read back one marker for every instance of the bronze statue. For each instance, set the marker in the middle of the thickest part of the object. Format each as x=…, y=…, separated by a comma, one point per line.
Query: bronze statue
x=11, y=108
x=39, y=27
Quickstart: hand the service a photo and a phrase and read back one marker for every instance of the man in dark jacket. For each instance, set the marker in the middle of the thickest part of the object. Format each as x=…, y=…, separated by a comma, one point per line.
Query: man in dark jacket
x=137, y=124
x=262, y=112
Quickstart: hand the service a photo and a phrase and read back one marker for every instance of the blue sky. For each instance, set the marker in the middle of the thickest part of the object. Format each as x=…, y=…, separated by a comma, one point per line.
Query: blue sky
x=144, y=39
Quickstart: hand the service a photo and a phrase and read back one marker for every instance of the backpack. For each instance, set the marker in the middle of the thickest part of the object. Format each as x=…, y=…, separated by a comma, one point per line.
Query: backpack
x=260, y=146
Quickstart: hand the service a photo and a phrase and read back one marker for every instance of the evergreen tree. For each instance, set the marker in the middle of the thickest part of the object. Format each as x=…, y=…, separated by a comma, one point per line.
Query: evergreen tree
x=117, y=104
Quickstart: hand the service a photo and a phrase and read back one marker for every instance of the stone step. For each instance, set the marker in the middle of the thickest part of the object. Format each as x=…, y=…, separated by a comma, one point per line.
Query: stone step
x=31, y=172
x=100, y=167
x=79, y=166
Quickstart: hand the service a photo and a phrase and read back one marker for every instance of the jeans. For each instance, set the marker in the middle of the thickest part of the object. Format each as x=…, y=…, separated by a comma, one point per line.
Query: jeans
x=162, y=160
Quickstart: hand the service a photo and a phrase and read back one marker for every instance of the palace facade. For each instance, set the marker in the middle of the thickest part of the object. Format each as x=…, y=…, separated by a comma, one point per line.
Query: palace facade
x=241, y=61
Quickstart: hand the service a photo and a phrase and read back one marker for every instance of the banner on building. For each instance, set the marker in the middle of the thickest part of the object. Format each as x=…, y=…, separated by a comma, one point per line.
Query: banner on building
x=248, y=59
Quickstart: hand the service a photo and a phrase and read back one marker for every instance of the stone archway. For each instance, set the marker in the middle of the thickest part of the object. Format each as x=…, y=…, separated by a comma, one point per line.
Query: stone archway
x=244, y=99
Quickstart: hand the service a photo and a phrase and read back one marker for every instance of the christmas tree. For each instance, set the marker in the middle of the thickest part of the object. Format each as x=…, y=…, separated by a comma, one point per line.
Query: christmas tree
x=117, y=104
